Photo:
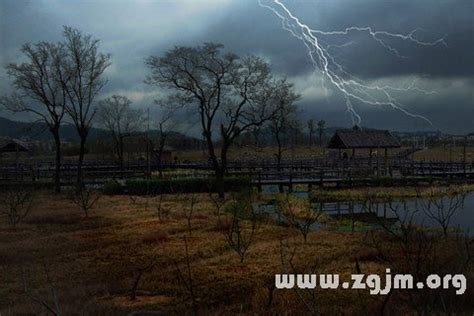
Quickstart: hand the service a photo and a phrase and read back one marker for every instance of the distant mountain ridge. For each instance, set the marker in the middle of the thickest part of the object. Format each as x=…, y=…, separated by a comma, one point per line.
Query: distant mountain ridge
x=39, y=130
x=29, y=131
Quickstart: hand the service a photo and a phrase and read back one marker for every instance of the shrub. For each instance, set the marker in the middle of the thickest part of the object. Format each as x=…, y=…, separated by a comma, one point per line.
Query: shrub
x=185, y=185
x=15, y=204
x=112, y=188
x=298, y=213
x=239, y=237
x=85, y=199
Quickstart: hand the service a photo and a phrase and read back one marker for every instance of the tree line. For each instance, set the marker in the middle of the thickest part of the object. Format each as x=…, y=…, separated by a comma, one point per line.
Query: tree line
x=231, y=95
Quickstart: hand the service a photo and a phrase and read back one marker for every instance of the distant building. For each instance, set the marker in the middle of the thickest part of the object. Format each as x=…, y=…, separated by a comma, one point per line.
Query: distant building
x=166, y=154
x=358, y=138
x=12, y=145
x=362, y=138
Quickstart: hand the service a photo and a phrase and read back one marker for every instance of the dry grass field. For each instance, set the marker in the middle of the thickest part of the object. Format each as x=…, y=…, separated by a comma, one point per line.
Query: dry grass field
x=445, y=153
x=438, y=153
x=91, y=263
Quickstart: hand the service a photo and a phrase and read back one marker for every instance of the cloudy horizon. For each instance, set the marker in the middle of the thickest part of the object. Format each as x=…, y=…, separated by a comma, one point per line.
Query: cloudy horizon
x=133, y=30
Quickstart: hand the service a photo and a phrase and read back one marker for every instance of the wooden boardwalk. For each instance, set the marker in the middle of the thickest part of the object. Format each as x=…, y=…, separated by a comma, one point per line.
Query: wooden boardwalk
x=320, y=172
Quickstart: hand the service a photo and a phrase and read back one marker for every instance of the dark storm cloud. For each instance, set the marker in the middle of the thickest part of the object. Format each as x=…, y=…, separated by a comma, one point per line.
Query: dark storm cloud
x=260, y=30
x=448, y=70
x=132, y=30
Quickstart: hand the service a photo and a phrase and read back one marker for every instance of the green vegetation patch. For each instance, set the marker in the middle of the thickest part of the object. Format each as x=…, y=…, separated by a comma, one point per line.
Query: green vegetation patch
x=184, y=185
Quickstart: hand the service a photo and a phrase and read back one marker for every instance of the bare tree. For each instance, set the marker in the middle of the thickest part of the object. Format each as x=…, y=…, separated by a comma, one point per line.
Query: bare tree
x=407, y=247
x=442, y=208
x=283, y=122
x=186, y=278
x=231, y=95
x=85, y=66
x=321, y=128
x=190, y=210
x=311, y=130
x=307, y=297
x=140, y=271
x=84, y=198
x=157, y=145
x=161, y=210
x=120, y=120
x=53, y=306
x=15, y=204
x=39, y=84
x=298, y=213
x=218, y=204
x=239, y=237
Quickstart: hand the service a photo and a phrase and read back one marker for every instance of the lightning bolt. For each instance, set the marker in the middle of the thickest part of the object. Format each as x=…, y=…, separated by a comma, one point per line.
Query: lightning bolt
x=351, y=87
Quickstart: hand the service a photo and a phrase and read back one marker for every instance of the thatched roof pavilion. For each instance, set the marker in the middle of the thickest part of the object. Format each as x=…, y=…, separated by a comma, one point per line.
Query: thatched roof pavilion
x=11, y=145
x=357, y=137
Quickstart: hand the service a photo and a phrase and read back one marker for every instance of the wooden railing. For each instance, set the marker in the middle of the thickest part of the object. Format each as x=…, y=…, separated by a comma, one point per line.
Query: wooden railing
x=257, y=169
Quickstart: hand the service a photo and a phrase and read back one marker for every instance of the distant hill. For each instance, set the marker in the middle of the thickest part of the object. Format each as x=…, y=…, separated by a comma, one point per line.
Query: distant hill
x=39, y=132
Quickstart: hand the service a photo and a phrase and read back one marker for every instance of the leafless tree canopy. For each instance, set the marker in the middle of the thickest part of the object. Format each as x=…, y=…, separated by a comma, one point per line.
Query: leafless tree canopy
x=230, y=94
x=284, y=122
x=39, y=89
x=85, y=66
x=117, y=116
x=59, y=78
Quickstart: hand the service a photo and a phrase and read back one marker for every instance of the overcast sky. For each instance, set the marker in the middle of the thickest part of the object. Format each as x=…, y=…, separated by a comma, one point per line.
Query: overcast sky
x=132, y=30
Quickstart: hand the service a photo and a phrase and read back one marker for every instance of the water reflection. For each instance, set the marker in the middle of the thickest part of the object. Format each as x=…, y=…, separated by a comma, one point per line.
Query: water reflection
x=368, y=215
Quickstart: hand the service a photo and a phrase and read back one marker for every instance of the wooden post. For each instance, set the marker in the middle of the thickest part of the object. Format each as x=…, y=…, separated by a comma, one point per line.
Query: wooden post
x=290, y=185
x=370, y=161
x=378, y=162
x=464, y=153
x=259, y=184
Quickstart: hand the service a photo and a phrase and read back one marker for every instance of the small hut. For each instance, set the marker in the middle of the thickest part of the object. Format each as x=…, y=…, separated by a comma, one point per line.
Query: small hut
x=12, y=145
x=166, y=154
x=358, y=138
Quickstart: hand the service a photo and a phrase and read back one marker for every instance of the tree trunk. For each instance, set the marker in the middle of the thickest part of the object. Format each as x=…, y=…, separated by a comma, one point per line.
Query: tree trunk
x=57, y=171
x=120, y=156
x=279, y=152
x=160, y=155
x=80, y=161
x=220, y=183
x=222, y=171
x=218, y=169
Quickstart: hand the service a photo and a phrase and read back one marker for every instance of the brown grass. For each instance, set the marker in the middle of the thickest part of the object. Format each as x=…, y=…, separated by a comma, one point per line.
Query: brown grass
x=437, y=153
x=93, y=261
x=384, y=193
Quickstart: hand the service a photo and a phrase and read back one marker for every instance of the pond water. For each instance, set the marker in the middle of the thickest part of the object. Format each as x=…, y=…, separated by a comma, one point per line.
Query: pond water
x=463, y=217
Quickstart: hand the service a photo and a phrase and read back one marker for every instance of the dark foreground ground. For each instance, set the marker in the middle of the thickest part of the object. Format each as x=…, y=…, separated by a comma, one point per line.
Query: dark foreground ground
x=131, y=247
